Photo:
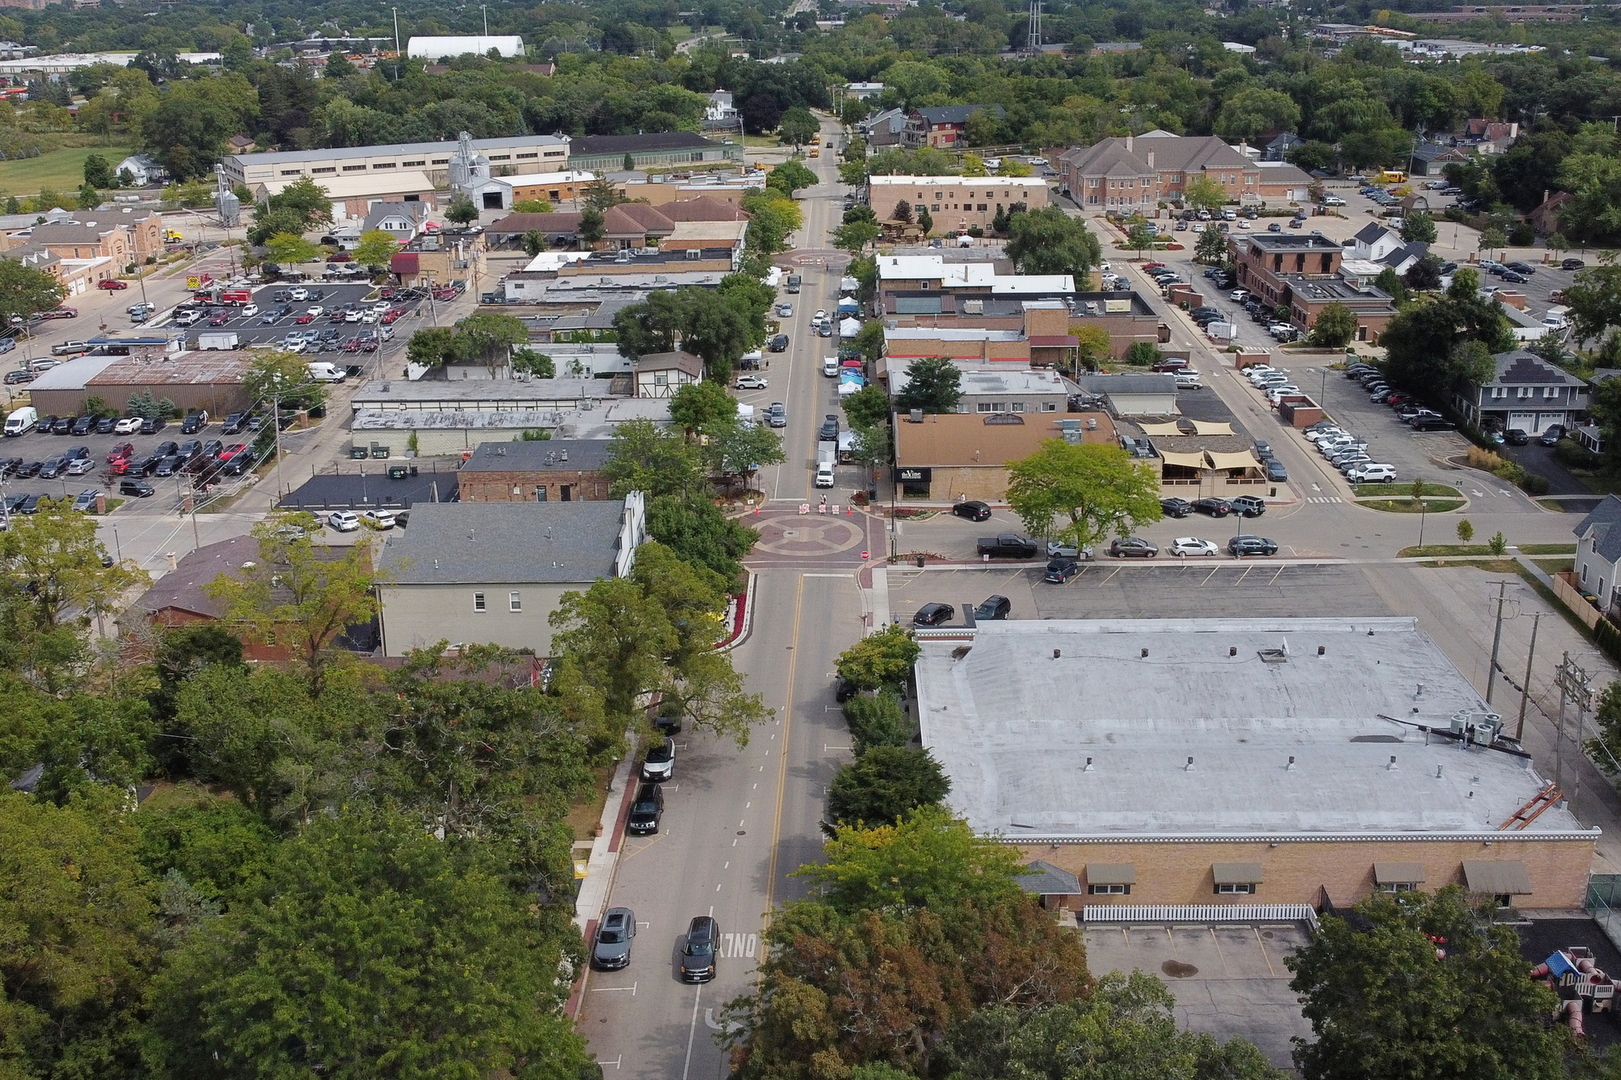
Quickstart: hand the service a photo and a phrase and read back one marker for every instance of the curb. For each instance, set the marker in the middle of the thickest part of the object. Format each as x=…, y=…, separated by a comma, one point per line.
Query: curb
x=743, y=631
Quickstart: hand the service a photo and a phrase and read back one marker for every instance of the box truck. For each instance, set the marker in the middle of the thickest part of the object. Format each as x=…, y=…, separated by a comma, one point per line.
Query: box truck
x=218, y=339
x=827, y=454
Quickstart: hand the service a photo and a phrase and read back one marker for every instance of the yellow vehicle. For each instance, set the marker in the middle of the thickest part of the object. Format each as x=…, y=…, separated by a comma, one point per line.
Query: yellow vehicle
x=1393, y=176
x=816, y=140
x=815, y=152
x=172, y=236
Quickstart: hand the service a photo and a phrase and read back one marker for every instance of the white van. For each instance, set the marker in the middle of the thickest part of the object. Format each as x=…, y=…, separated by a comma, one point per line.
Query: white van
x=830, y=366
x=22, y=421
x=321, y=371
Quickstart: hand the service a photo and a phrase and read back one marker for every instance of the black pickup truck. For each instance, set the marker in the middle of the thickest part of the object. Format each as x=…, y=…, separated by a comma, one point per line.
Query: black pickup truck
x=1007, y=546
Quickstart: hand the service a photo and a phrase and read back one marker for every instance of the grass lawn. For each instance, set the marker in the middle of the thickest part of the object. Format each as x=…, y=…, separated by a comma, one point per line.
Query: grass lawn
x=1491, y=566
x=1411, y=506
x=59, y=170
x=1547, y=549
x=1555, y=566
x=1388, y=490
x=584, y=816
x=1601, y=485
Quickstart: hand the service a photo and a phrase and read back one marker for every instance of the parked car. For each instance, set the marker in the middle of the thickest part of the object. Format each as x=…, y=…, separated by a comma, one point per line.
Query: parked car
x=698, y=949
x=1275, y=470
x=1061, y=570
x=611, y=950
x=344, y=520
x=1552, y=435
x=1371, y=472
x=1007, y=546
x=1433, y=423
x=1251, y=545
x=1127, y=547
x=1215, y=507
x=933, y=614
x=973, y=510
x=1572, y=264
x=659, y=764
x=750, y=382
x=1248, y=505
x=376, y=519
x=994, y=608
x=1175, y=508
x=1058, y=549
x=646, y=810
x=1516, y=437
x=138, y=489
x=1193, y=545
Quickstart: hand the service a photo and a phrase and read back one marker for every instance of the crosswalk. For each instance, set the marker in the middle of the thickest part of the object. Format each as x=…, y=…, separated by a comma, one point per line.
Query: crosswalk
x=1324, y=499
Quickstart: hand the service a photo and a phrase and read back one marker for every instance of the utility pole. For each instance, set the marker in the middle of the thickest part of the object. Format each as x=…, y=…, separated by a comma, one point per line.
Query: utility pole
x=1574, y=685
x=1525, y=689
x=396, y=43
x=1497, y=639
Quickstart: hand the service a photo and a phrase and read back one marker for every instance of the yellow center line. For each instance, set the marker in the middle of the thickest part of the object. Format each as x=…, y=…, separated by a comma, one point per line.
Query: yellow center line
x=782, y=762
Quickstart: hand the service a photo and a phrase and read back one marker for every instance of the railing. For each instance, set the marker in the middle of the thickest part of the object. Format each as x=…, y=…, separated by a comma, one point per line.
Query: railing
x=1198, y=913
x=1603, y=895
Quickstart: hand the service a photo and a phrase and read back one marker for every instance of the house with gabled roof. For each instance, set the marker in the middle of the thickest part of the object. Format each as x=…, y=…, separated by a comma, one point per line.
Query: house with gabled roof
x=1524, y=392
x=944, y=126
x=1598, y=551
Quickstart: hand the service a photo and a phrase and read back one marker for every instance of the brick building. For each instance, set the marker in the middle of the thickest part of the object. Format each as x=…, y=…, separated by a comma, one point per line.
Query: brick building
x=955, y=202
x=1136, y=173
x=1302, y=272
x=1210, y=762
x=943, y=126
x=87, y=250
x=556, y=470
x=953, y=456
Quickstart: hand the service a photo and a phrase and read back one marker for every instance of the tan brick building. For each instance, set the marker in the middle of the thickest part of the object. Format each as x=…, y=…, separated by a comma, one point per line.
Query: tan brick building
x=955, y=202
x=1211, y=762
x=556, y=470
x=955, y=456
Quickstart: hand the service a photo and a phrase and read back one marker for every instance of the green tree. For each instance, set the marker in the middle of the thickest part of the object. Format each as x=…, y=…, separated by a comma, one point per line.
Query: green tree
x=78, y=913
x=287, y=249
x=58, y=558
x=306, y=198
x=1422, y=987
x=1391, y=283
x=375, y=248
x=860, y=212
x=1335, y=327
x=1418, y=228
x=591, y=225
x=532, y=206
x=25, y=290
x=433, y=347
x=391, y=923
x=933, y=384
x=867, y=407
x=1092, y=344
x=1211, y=248
x=277, y=376
x=268, y=223
x=791, y=176
x=617, y=639
x=925, y=220
x=534, y=242
x=699, y=532
x=773, y=217
x=1594, y=299
x=738, y=449
x=98, y=172
x=1143, y=354
x=883, y=785
x=877, y=720
x=855, y=236
x=1139, y=236
x=1126, y=1027
x=488, y=338
x=1492, y=239
x=647, y=457
x=461, y=211
x=1466, y=531
x=1090, y=490
x=1252, y=111
x=797, y=126
x=301, y=596
x=1049, y=241
x=1204, y=193
x=702, y=408
x=882, y=658
x=538, y=364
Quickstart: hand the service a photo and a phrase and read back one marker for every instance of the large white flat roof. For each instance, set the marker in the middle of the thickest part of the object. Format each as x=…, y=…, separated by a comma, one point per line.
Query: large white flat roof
x=1015, y=727
x=944, y=181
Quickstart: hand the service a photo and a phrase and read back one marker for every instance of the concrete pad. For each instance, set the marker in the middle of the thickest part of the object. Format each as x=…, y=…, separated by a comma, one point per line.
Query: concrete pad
x=1229, y=980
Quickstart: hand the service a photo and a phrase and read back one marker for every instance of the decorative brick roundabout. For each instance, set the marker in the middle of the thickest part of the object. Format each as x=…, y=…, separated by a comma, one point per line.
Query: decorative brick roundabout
x=808, y=536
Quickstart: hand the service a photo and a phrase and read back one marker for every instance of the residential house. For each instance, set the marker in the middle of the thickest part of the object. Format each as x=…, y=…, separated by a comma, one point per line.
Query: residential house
x=493, y=573
x=884, y=129
x=1488, y=136
x=944, y=126
x=1598, y=552
x=1376, y=244
x=1524, y=392
x=401, y=220
x=634, y=225
x=1432, y=158
x=554, y=470
x=660, y=375
x=956, y=456
x=180, y=598
x=1278, y=149
x=861, y=91
x=143, y=170
x=955, y=202
x=1136, y=173
x=720, y=109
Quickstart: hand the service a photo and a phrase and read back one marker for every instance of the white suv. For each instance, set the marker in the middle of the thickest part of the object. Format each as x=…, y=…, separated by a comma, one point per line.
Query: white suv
x=1372, y=472
x=344, y=520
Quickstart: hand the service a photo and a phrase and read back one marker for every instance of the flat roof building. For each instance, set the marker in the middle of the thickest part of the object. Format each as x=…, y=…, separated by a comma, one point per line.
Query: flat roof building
x=519, y=153
x=1204, y=762
x=439, y=48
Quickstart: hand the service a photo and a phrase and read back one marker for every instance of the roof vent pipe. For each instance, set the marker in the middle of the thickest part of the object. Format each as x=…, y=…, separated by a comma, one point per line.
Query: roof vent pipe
x=1088, y=765
x=1322, y=649
x=1145, y=653
x=1438, y=772
x=1056, y=654
x=1232, y=650
x=1392, y=766
x=1189, y=766
x=1291, y=766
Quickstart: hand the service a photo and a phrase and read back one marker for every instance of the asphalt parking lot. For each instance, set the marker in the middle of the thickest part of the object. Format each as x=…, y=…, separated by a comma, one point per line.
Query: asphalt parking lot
x=254, y=330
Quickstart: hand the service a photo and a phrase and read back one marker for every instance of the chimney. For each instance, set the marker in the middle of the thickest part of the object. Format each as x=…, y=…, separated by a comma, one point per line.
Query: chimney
x=1151, y=159
x=1130, y=142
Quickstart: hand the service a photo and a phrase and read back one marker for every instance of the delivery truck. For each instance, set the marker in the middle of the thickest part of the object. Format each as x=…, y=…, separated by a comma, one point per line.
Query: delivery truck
x=827, y=455
x=219, y=339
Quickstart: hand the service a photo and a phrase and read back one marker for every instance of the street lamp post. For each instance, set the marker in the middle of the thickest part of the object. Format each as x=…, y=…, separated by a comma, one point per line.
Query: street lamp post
x=117, y=547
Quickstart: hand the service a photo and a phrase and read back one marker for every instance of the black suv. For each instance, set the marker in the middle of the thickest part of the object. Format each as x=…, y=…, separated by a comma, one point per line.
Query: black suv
x=1061, y=570
x=646, y=810
x=933, y=614
x=994, y=608
x=1176, y=508
x=1214, y=507
x=830, y=428
x=234, y=423
x=698, y=949
x=973, y=510
x=1251, y=545
x=193, y=423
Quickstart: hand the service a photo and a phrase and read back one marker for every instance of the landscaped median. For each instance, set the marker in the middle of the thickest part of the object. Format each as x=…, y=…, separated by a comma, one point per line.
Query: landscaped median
x=1433, y=499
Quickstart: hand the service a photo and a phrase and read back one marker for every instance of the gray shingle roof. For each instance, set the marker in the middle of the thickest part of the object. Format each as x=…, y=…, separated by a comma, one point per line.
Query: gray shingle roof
x=1521, y=368
x=956, y=114
x=1045, y=879
x=505, y=543
x=1601, y=524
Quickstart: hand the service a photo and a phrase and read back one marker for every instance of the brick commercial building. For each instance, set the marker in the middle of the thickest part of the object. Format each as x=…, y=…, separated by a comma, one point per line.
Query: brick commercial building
x=94, y=247
x=953, y=456
x=555, y=470
x=1303, y=273
x=955, y=202
x=1138, y=172
x=944, y=126
x=1208, y=762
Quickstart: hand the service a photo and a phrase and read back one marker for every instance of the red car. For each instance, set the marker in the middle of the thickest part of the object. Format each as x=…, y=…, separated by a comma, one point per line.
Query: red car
x=219, y=320
x=389, y=316
x=233, y=450
x=122, y=452
x=112, y=284
x=304, y=318
x=340, y=257
x=387, y=292
x=120, y=466
x=1152, y=266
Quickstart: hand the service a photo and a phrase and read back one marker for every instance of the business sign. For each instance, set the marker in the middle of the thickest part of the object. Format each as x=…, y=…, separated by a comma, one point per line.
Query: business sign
x=913, y=476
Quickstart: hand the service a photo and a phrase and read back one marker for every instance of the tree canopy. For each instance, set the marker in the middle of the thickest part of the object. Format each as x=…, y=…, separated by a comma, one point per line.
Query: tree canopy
x=933, y=384
x=1082, y=493
x=1049, y=241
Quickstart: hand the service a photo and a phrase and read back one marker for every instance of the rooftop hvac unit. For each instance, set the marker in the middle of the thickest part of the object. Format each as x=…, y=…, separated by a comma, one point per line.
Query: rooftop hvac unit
x=916, y=416
x=973, y=307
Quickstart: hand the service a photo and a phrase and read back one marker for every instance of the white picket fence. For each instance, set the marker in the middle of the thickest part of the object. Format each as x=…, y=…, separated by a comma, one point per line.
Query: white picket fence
x=1198, y=913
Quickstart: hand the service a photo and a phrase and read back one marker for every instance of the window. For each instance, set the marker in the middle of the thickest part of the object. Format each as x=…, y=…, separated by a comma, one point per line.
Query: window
x=292, y=172
x=411, y=164
x=527, y=157
x=660, y=378
x=693, y=253
x=1018, y=406
x=514, y=601
x=441, y=161
x=1499, y=391
x=1236, y=889
x=554, y=194
x=478, y=602
x=1550, y=391
x=1398, y=887
x=354, y=168
x=328, y=171
x=983, y=406
x=1049, y=406
x=1109, y=890
x=982, y=208
x=500, y=157
x=1525, y=392
x=936, y=208
x=383, y=165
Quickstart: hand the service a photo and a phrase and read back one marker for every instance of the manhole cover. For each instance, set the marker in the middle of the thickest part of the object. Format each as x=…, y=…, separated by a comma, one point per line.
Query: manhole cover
x=1267, y=934
x=1176, y=969
x=742, y=832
